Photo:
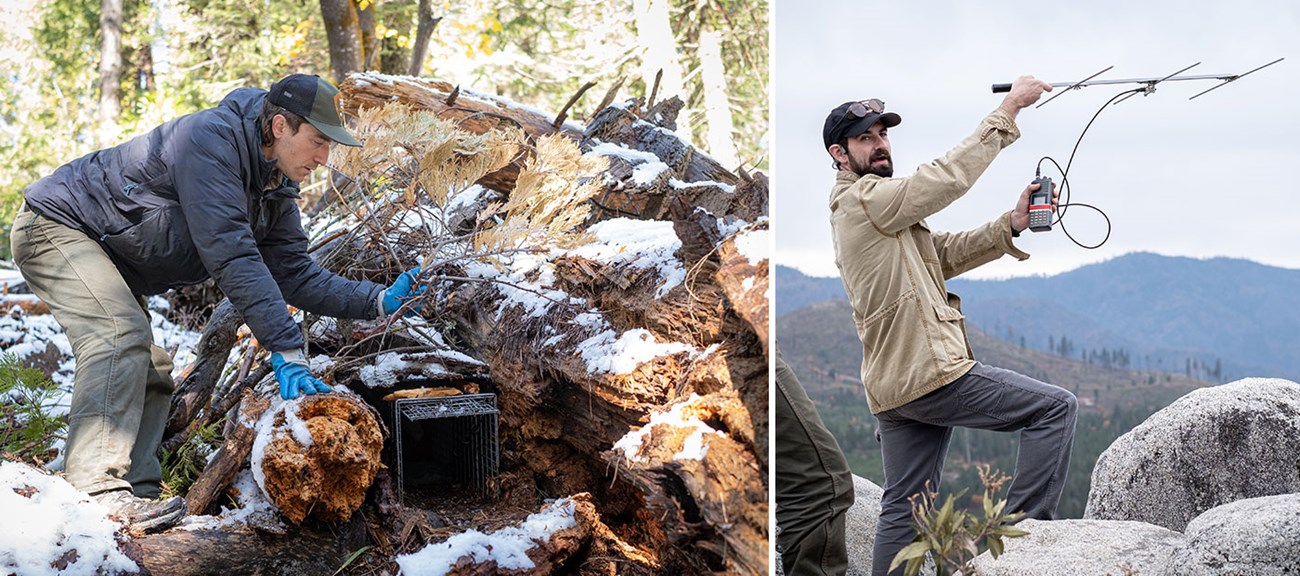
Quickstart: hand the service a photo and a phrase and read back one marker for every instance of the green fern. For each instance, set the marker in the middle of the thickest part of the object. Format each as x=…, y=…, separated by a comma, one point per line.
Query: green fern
x=181, y=468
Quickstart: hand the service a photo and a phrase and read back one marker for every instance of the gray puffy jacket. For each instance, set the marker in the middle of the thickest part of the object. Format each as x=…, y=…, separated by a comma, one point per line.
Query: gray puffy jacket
x=186, y=201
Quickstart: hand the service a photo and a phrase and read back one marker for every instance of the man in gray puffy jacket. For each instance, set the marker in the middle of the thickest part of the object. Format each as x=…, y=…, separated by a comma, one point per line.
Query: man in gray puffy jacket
x=210, y=194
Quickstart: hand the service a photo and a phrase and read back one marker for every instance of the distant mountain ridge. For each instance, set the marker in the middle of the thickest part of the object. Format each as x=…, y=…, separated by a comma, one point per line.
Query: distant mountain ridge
x=1222, y=315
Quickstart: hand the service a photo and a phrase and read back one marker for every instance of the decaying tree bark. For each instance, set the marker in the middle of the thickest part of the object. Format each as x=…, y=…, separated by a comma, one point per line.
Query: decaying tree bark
x=328, y=476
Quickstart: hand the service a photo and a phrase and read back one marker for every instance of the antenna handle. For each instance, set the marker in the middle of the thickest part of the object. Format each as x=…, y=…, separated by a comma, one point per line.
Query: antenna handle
x=1000, y=88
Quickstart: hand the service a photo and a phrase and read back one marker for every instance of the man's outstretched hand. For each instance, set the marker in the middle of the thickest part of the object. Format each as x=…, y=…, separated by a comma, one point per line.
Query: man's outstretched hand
x=1025, y=91
x=402, y=289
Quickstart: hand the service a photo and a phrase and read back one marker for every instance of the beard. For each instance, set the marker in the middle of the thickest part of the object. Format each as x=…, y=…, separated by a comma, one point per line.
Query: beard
x=884, y=169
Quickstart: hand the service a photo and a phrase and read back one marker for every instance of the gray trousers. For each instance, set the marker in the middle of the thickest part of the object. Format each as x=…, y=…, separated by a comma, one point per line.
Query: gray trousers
x=122, y=387
x=914, y=441
x=814, y=487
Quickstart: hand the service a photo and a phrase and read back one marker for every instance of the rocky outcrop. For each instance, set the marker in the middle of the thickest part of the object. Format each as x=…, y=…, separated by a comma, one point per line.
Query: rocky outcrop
x=860, y=525
x=1211, y=447
x=1208, y=486
x=1258, y=536
x=1083, y=548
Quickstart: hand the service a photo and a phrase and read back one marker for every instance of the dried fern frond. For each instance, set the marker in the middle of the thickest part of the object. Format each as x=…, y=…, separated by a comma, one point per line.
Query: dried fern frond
x=549, y=201
x=416, y=152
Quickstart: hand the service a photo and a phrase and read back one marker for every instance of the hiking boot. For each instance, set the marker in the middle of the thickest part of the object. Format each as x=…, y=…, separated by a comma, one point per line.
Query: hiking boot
x=141, y=514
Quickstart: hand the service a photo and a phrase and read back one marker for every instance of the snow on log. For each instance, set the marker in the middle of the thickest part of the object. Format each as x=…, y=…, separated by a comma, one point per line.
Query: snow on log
x=317, y=455
x=540, y=544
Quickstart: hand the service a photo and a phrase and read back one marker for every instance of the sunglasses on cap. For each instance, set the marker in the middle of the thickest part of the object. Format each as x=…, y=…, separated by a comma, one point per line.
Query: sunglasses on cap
x=860, y=109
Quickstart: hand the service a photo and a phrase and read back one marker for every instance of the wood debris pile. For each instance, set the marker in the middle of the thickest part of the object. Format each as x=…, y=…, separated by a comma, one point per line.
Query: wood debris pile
x=609, y=284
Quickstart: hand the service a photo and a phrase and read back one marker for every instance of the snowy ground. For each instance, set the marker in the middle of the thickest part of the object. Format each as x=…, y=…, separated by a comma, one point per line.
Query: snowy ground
x=57, y=519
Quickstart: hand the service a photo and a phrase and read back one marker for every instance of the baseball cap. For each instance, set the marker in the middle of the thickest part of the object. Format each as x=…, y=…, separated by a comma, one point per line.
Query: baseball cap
x=312, y=97
x=852, y=118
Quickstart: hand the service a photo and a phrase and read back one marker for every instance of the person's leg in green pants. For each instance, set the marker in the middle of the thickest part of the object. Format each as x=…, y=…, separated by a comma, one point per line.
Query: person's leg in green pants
x=814, y=487
x=122, y=386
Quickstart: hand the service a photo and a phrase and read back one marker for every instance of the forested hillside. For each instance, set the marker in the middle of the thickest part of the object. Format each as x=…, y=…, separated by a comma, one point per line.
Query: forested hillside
x=1214, y=319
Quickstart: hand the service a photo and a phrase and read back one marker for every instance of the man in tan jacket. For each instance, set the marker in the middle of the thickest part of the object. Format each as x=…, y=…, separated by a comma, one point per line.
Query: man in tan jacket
x=920, y=374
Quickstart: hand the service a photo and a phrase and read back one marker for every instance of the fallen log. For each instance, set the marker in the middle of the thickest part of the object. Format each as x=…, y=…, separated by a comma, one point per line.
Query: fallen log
x=707, y=486
x=308, y=549
x=564, y=337
x=194, y=391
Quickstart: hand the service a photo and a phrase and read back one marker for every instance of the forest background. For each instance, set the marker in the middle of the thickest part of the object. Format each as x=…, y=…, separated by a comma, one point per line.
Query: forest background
x=80, y=75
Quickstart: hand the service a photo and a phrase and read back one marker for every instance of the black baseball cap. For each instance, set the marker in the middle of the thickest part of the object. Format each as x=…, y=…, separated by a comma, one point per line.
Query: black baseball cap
x=312, y=97
x=852, y=118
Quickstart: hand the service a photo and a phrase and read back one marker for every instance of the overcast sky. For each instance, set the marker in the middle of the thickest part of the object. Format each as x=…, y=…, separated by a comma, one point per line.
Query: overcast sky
x=1207, y=177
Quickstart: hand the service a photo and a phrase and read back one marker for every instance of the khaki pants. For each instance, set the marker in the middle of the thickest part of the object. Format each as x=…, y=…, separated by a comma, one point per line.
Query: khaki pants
x=122, y=387
x=814, y=488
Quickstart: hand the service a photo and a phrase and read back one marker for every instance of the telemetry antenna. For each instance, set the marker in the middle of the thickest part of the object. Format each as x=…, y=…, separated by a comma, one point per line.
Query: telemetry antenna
x=1149, y=84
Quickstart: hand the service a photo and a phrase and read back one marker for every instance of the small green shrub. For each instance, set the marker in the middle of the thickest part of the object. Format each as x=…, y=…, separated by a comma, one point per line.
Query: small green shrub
x=953, y=537
x=27, y=430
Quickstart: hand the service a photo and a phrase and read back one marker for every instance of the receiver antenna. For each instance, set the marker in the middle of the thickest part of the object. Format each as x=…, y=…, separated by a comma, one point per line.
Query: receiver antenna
x=1150, y=83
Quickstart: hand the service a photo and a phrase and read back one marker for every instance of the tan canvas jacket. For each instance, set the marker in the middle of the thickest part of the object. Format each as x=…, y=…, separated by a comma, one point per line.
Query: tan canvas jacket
x=893, y=267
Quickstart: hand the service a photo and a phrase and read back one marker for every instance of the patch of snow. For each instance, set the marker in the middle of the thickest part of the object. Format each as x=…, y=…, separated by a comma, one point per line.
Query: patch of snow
x=607, y=354
x=728, y=188
x=250, y=503
x=508, y=547
x=644, y=244
x=753, y=245
x=384, y=372
x=693, y=447
x=56, y=522
x=534, y=296
x=467, y=198
x=646, y=167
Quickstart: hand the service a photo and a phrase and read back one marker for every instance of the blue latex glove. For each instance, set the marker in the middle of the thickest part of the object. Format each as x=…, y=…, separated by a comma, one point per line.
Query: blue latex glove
x=402, y=289
x=294, y=377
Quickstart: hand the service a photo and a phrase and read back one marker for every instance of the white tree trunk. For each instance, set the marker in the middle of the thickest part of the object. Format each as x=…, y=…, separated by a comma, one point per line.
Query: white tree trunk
x=717, y=107
x=654, y=35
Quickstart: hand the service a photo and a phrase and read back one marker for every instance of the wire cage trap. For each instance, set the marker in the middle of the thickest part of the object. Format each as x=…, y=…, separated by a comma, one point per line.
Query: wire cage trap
x=453, y=440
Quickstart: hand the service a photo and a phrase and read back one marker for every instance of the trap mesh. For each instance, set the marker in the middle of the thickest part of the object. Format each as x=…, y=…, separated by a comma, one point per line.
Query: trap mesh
x=468, y=424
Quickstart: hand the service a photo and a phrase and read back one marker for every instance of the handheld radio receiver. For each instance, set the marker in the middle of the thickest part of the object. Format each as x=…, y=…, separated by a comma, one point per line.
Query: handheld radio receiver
x=1040, y=205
